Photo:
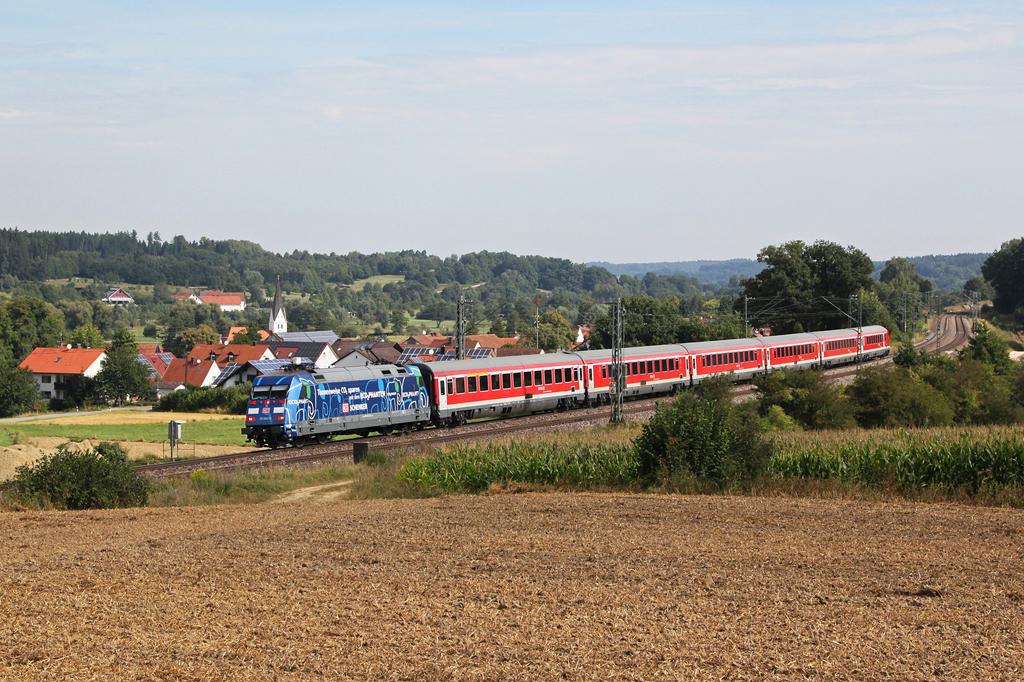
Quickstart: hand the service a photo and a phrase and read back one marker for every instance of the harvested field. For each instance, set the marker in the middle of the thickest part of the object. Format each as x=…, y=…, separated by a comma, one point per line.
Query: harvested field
x=529, y=586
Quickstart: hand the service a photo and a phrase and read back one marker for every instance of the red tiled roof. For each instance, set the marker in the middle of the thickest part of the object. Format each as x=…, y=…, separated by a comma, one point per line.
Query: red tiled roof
x=222, y=298
x=241, y=330
x=241, y=351
x=197, y=373
x=490, y=340
x=513, y=352
x=61, y=360
x=150, y=348
x=183, y=295
x=430, y=341
x=158, y=364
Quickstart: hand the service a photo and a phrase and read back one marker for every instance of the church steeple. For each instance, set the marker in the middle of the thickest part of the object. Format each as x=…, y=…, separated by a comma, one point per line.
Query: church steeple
x=278, y=323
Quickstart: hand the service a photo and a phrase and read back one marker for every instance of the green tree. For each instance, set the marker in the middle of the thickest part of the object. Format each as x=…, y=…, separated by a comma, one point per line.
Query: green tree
x=185, y=341
x=498, y=327
x=34, y=324
x=988, y=348
x=555, y=332
x=122, y=376
x=86, y=336
x=250, y=337
x=800, y=273
x=399, y=321
x=18, y=390
x=979, y=285
x=1004, y=269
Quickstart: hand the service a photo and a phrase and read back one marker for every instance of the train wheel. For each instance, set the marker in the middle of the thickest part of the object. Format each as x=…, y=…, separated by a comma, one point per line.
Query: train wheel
x=420, y=426
x=323, y=438
x=387, y=430
x=299, y=441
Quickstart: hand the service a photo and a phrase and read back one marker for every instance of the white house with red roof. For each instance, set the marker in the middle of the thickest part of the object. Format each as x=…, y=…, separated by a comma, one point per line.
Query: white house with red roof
x=51, y=367
x=227, y=300
x=117, y=296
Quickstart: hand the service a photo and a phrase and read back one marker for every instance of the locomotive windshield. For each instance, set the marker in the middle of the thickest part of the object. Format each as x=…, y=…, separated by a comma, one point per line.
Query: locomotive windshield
x=260, y=391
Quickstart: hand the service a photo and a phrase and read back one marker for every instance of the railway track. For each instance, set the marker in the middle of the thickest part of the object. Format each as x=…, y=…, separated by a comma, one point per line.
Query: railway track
x=951, y=333
x=428, y=438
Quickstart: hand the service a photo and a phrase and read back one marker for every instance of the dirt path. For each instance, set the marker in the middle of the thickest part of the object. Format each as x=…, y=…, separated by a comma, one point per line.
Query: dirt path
x=322, y=493
x=515, y=587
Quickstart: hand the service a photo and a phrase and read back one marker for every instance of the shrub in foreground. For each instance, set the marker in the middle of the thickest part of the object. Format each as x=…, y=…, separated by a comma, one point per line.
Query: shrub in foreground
x=99, y=478
x=708, y=438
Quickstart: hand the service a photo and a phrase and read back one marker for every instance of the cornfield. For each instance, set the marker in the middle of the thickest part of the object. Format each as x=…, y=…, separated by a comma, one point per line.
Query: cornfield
x=563, y=462
x=966, y=460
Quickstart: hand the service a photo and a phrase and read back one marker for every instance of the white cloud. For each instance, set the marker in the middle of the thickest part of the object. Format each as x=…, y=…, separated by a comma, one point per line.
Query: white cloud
x=14, y=113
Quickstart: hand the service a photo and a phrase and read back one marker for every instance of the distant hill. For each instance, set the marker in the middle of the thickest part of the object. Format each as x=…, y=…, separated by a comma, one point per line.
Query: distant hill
x=704, y=271
x=946, y=272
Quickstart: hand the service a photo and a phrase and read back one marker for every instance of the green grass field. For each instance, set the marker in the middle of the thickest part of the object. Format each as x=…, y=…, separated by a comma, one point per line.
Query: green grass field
x=377, y=279
x=213, y=432
x=6, y=438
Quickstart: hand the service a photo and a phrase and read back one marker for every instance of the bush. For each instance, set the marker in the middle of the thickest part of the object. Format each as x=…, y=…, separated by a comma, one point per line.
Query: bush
x=894, y=396
x=100, y=478
x=707, y=438
x=195, y=399
x=807, y=396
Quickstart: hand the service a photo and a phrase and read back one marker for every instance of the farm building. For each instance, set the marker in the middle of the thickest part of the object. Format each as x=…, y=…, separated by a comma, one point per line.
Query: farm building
x=117, y=296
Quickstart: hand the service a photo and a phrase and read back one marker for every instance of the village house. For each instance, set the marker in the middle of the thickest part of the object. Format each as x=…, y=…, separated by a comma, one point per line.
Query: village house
x=51, y=367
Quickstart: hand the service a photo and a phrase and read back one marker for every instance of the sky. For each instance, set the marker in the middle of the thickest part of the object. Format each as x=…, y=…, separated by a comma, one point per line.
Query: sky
x=595, y=131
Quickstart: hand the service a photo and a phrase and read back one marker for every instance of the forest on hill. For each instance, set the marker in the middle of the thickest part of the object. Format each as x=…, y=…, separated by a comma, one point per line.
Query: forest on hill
x=944, y=272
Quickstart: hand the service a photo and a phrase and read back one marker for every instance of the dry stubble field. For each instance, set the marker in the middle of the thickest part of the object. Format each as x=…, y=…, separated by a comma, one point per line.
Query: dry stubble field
x=529, y=586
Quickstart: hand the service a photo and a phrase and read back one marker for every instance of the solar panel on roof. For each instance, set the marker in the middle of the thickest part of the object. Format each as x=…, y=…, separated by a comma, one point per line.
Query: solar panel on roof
x=166, y=357
x=478, y=353
x=317, y=336
x=226, y=373
x=415, y=352
x=264, y=366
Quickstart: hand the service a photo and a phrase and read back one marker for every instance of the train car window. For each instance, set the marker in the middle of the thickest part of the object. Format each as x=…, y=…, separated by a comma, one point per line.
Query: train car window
x=483, y=383
x=528, y=378
x=604, y=371
x=536, y=378
x=472, y=384
x=547, y=377
x=517, y=380
x=460, y=385
x=506, y=381
x=451, y=387
x=495, y=382
x=558, y=376
x=635, y=371
x=575, y=373
x=650, y=367
x=440, y=387
x=590, y=374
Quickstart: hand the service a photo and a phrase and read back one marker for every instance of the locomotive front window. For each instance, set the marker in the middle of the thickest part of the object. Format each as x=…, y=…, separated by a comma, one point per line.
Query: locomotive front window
x=472, y=384
x=528, y=378
x=558, y=376
x=279, y=391
x=547, y=377
x=460, y=385
x=261, y=391
x=517, y=380
x=506, y=381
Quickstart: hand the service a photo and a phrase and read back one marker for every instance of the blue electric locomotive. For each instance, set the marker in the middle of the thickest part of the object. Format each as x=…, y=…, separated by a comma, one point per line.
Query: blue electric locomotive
x=312, y=405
